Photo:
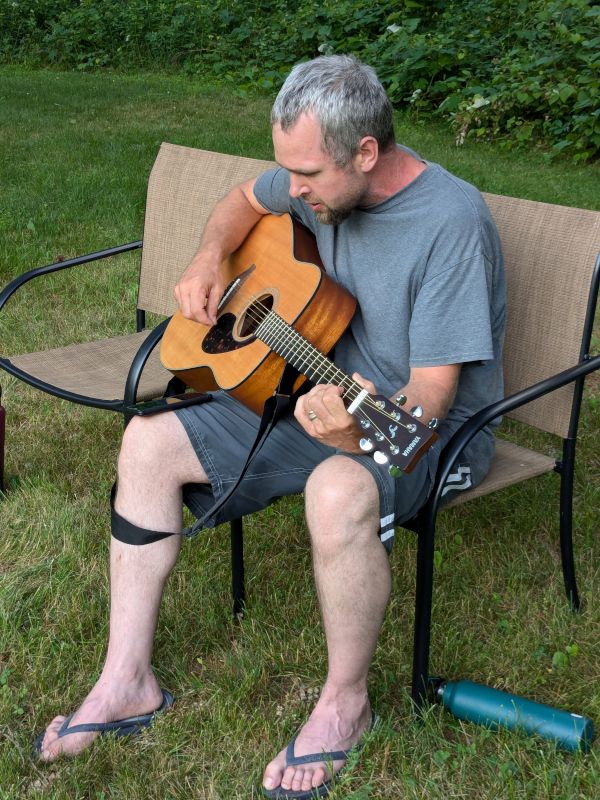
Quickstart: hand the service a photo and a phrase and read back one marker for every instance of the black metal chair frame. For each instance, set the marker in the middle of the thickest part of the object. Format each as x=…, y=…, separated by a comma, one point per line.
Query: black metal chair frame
x=141, y=357
x=124, y=406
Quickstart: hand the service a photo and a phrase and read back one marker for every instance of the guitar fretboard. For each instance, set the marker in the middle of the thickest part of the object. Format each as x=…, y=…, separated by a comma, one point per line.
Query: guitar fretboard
x=301, y=354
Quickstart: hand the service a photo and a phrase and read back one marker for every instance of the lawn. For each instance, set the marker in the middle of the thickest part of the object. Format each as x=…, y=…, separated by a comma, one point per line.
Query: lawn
x=76, y=153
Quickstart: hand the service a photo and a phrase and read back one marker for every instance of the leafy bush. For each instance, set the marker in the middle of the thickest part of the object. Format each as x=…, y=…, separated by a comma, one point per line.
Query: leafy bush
x=513, y=70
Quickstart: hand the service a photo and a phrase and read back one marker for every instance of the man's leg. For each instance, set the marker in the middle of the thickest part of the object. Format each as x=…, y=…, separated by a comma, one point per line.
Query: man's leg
x=156, y=459
x=353, y=581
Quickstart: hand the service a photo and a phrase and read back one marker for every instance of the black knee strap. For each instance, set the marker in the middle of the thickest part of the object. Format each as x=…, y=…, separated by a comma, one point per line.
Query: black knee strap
x=128, y=533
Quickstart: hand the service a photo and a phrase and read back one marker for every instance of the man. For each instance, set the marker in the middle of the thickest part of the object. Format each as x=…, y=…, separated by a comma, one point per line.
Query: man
x=417, y=248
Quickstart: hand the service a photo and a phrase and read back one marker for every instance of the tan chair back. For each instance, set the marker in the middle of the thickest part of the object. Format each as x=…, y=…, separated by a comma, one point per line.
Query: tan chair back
x=185, y=183
x=549, y=254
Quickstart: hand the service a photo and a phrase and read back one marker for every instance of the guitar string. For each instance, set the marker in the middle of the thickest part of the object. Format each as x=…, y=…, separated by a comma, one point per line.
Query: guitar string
x=273, y=324
x=272, y=332
x=282, y=329
x=286, y=336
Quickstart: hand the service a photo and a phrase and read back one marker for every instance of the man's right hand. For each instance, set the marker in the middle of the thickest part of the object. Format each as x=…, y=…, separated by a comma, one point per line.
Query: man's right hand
x=200, y=289
x=201, y=286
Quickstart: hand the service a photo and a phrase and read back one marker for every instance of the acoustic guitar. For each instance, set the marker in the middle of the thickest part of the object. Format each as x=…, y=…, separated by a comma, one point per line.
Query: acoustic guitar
x=281, y=307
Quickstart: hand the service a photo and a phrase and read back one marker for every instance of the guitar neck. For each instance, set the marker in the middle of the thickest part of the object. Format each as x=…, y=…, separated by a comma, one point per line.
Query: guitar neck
x=285, y=340
x=390, y=434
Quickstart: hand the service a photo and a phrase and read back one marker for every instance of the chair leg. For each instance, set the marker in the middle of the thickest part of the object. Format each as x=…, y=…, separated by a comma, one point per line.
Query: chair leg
x=423, y=602
x=2, y=435
x=237, y=566
x=566, y=522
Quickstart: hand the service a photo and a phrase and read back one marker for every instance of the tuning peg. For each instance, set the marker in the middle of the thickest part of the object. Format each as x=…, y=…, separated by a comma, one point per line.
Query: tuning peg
x=395, y=471
x=433, y=423
x=400, y=400
x=417, y=411
x=366, y=445
x=364, y=424
x=380, y=458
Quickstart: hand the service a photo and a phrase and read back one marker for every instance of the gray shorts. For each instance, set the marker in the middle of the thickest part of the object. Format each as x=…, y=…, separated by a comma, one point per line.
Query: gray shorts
x=222, y=433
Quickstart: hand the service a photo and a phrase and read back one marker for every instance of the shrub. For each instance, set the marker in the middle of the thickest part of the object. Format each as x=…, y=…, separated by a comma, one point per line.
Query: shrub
x=512, y=70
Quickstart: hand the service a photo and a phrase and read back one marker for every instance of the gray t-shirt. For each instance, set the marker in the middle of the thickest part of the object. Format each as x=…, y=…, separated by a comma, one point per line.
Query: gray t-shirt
x=426, y=269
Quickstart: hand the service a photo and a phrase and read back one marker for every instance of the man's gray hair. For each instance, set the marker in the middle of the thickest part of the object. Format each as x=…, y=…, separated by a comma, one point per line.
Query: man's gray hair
x=347, y=99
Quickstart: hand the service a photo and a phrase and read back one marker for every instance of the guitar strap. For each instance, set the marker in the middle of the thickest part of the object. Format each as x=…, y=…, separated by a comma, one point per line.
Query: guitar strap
x=274, y=409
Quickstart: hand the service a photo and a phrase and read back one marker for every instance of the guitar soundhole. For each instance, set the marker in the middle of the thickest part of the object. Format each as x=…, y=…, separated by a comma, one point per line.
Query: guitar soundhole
x=221, y=339
x=254, y=315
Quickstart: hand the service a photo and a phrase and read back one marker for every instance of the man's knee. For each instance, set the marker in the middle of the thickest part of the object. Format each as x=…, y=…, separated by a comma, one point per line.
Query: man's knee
x=142, y=446
x=158, y=446
x=342, y=500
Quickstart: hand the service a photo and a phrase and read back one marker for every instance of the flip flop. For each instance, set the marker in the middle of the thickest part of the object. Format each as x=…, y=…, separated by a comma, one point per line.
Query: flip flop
x=279, y=793
x=130, y=726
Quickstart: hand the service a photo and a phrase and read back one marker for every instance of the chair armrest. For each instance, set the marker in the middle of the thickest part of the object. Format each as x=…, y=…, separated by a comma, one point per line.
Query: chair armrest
x=472, y=426
x=139, y=362
x=130, y=406
x=20, y=280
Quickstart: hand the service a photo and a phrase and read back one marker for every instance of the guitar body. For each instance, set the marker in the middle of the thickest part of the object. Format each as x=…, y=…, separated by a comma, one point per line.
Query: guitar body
x=280, y=269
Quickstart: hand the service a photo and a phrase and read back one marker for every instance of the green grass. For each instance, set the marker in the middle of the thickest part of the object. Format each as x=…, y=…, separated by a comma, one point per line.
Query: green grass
x=76, y=153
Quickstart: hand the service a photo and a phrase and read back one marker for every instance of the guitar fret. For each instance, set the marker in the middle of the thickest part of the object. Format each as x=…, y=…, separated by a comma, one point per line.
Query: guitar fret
x=300, y=353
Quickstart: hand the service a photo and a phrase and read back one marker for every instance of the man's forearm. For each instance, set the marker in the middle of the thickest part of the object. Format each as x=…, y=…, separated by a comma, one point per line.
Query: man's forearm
x=230, y=222
x=200, y=288
x=434, y=393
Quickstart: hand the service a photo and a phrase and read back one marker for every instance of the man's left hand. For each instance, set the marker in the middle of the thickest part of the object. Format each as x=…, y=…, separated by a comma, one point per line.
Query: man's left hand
x=323, y=415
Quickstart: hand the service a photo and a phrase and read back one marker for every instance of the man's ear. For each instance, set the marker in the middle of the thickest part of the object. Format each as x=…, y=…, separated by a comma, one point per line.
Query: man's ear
x=368, y=153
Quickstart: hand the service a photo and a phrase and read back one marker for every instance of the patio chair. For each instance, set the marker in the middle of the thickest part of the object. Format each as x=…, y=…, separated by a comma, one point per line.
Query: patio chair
x=553, y=276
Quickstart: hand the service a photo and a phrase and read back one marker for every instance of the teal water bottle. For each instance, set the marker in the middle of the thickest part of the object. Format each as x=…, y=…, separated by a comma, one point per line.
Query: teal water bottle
x=493, y=708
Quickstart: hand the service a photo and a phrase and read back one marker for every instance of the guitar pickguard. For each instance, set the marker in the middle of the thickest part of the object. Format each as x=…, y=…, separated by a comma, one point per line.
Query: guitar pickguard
x=220, y=339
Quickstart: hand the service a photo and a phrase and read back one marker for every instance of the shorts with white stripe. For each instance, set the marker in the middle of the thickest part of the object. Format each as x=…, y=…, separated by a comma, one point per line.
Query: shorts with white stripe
x=222, y=433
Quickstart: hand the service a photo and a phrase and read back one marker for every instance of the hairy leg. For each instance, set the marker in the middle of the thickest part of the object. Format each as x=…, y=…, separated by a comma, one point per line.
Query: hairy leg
x=353, y=584
x=156, y=459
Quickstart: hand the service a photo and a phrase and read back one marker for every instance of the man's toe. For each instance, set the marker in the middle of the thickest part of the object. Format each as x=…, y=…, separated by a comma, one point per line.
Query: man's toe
x=50, y=739
x=298, y=778
x=273, y=774
x=288, y=777
x=319, y=776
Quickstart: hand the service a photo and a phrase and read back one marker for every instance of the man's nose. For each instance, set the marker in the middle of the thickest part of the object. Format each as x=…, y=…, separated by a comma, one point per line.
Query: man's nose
x=297, y=186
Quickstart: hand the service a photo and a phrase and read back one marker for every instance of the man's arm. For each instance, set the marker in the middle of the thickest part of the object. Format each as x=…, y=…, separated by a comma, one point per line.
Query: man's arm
x=432, y=388
x=201, y=286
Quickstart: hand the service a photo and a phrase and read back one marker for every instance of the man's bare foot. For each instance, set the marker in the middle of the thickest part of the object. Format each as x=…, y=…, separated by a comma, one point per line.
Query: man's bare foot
x=330, y=727
x=107, y=702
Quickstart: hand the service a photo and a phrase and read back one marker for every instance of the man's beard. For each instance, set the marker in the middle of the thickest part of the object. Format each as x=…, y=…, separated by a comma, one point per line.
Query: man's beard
x=353, y=198
x=332, y=216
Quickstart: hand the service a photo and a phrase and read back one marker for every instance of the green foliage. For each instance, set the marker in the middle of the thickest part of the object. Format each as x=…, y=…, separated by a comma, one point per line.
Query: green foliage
x=513, y=70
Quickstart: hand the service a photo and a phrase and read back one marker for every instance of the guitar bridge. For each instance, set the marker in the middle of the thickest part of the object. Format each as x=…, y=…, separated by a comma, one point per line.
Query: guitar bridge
x=233, y=287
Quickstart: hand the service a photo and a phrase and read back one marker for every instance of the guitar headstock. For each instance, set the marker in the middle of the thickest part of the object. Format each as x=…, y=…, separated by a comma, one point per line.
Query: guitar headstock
x=394, y=437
